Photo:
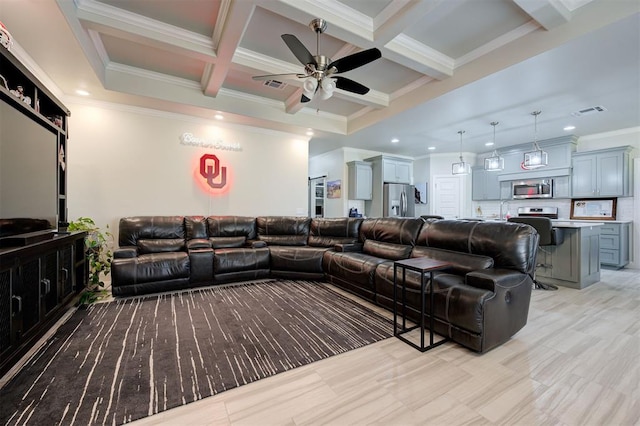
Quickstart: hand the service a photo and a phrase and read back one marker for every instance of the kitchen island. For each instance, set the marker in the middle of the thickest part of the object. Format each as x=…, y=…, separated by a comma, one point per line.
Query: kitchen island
x=576, y=262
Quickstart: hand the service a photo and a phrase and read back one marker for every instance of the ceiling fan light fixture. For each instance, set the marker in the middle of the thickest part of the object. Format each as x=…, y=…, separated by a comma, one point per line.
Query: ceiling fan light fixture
x=309, y=87
x=536, y=158
x=327, y=86
x=461, y=168
x=495, y=163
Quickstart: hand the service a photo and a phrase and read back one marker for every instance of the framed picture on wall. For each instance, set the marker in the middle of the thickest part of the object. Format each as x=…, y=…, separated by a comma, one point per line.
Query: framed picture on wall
x=594, y=209
x=421, y=193
x=334, y=189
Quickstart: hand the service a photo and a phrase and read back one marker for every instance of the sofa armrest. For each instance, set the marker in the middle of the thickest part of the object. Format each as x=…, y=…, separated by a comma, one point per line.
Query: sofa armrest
x=355, y=247
x=198, y=243
x=257, y=244
x=493, y=279
x=126, y=252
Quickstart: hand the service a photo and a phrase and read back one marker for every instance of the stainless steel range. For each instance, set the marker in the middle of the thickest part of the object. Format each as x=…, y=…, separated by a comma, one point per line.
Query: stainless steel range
x=550, y=212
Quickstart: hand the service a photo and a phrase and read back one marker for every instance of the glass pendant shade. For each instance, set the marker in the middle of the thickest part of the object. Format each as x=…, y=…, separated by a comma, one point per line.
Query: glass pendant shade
x=536, y=158
x=461, y=168
x=495, y=163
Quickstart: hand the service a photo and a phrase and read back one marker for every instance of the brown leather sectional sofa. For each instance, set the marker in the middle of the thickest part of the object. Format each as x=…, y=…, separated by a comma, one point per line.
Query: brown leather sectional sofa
x=481, y=300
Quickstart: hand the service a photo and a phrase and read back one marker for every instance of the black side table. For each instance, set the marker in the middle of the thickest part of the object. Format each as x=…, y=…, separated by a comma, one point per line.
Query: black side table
x=425, y=267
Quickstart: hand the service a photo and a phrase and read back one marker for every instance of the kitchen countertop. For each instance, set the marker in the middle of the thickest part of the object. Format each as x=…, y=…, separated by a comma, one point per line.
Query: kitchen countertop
x=563, y=223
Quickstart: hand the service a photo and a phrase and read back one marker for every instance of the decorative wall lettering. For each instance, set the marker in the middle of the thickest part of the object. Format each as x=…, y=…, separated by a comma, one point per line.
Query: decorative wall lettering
x=190, y=139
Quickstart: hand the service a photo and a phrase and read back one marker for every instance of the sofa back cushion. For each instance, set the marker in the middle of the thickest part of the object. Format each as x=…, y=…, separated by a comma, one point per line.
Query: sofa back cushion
x=511, y=245
x=231, y=226
x=132, y=229
x=391, y=230
x=461, y=263
x=195, y=227
x=329, y=232
x=283, y=230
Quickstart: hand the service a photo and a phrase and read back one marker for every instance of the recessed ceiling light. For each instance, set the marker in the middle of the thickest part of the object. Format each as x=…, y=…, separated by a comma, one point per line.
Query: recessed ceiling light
x=309, y=132
x=566, y=129
x=431, y=148
x=82, y=92
x=395, y=140
x=218, y=116
x=488, y=144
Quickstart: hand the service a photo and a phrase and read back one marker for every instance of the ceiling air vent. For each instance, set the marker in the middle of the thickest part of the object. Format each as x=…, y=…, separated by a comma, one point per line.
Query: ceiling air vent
x=590, y=110
x=274, y=84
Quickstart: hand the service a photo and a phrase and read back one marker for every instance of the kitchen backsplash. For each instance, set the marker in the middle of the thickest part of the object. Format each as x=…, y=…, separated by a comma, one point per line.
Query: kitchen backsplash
x=491, y=209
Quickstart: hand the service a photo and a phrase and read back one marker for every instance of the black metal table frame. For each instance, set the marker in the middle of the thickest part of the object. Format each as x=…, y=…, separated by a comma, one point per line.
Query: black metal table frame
x=421, y=325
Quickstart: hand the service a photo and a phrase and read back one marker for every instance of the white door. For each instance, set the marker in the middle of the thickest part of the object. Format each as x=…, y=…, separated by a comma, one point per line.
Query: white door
x=447, y=199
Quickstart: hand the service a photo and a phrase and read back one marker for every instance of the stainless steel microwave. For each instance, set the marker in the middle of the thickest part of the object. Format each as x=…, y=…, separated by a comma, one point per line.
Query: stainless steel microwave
x=538, y=188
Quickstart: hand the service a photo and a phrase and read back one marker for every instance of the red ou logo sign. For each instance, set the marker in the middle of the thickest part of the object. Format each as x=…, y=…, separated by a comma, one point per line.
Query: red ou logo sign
x=210, y=170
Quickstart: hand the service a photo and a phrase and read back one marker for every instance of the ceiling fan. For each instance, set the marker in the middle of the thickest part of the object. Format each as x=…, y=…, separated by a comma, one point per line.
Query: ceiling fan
x=319, y=70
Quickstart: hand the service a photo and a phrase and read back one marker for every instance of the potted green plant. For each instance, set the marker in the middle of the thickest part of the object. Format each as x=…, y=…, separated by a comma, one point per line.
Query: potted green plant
x=99, y=257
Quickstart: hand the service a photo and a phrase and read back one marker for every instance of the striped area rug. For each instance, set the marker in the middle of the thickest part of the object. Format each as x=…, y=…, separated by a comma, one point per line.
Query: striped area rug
x=120, y=361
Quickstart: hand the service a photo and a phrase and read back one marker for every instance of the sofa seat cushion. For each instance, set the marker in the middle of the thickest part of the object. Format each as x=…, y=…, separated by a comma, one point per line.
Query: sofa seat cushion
x=386, y=250
x=355, y=267
x=149, y=268
x=454, y=302
x=239, y=259
x=147, y=246
x=299, y=259
x=227, y=242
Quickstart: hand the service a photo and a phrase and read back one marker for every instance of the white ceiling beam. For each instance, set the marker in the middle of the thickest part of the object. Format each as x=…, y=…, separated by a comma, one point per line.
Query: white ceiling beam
x=398, y=16
x=136, y=81
x=233, y=23
x=292, y=104
x=116, y=22
x=548, y=13
x=419, y=57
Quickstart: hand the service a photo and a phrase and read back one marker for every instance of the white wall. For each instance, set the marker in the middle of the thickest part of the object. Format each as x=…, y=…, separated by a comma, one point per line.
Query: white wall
x=126, y=161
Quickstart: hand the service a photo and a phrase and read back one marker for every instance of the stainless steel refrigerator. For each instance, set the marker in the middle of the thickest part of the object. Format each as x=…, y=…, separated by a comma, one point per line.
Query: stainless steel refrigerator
x=398, y=200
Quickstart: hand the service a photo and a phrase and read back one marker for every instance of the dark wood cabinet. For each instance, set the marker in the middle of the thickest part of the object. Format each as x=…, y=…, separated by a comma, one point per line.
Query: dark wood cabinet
x=37, y=283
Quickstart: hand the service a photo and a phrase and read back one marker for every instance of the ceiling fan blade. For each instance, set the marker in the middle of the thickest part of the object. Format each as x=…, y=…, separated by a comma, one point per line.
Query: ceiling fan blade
x=304, y=99
x=356, y=60
x=278, y=77
x=349, y=85
x=298, y=49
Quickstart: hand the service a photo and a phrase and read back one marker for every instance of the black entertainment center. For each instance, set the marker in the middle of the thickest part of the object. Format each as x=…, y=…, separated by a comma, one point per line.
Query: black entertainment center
x=42, y=267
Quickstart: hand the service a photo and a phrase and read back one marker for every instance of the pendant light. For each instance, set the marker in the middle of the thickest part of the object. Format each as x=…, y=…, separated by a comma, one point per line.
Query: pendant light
x=536, y=158
x=495, y=163
x=461, y=168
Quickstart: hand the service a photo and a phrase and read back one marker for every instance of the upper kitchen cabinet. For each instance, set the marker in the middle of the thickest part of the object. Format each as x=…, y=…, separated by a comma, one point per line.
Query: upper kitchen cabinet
x=360, y=180
x=602, y=173
x=394, y=170
x=559, y=150
x=485, y=185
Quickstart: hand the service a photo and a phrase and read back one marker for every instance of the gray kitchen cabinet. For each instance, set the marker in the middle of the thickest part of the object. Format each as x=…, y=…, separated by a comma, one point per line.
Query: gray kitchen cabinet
x=396, y=170
x=360, y=180
x=485, y=185
x=602, y=173
x=614, y=244
x=576, y=262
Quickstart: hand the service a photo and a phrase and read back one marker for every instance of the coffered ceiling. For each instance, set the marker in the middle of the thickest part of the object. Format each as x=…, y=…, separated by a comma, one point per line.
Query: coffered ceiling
x=446, y=64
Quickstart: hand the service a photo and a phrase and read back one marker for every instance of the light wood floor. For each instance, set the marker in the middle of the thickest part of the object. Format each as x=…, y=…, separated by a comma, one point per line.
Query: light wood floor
x=576, y=362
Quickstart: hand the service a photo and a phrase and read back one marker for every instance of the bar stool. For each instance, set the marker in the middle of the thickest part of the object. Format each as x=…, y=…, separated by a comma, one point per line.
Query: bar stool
x=549, y=236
